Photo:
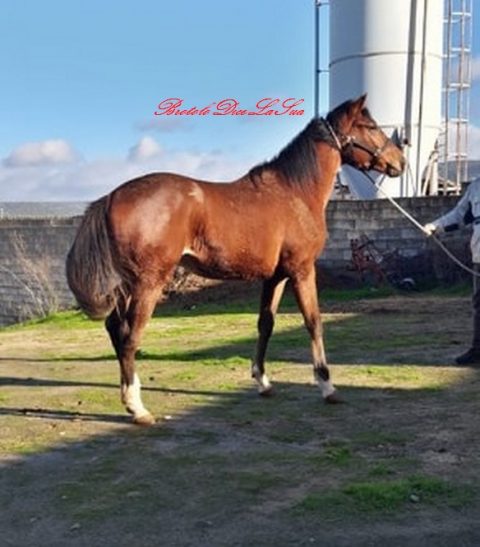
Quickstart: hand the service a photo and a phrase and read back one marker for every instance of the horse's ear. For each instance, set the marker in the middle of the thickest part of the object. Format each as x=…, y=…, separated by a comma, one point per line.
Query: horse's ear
x=359, y=104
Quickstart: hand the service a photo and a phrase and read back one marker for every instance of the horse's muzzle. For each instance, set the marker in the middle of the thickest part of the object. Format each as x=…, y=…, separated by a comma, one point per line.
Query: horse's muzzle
x=396, y=171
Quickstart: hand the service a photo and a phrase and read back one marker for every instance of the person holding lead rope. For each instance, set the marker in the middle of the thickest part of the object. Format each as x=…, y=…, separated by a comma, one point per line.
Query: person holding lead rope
x=466, y=211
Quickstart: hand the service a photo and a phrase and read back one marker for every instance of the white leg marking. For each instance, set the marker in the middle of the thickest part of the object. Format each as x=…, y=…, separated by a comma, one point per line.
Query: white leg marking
x=325, y=386
x=133, y=399
x=264, y=385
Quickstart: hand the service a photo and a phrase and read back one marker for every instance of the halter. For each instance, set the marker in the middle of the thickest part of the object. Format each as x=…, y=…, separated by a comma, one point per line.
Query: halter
x=350, y=142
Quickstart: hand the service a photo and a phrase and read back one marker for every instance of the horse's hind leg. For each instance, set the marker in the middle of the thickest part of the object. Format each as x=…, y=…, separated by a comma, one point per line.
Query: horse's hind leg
x=125, y=328
x=117, y=325
x=271, y=294
x=118, y=328
x=305, y=290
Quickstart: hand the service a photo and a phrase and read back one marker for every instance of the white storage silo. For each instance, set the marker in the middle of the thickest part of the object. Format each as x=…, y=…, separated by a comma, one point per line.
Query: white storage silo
x=392, y=50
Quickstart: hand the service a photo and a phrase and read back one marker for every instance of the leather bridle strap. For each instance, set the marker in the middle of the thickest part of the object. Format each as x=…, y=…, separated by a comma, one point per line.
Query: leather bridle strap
x=351, y=142
x=374, y=152
x=336, y=140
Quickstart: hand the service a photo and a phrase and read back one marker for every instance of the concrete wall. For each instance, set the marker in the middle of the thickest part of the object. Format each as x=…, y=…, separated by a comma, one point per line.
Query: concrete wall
x=32, y=251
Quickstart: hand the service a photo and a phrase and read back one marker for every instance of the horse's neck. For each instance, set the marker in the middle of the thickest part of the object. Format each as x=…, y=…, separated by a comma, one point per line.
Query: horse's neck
x=329, y=163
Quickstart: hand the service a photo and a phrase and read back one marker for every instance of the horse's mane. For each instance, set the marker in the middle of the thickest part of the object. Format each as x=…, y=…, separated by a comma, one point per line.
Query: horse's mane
x=297, y=162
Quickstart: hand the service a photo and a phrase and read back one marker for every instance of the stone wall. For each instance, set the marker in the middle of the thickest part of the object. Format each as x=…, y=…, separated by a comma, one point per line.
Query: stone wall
x=32, y=267
x=33, y=251
x=394, y=235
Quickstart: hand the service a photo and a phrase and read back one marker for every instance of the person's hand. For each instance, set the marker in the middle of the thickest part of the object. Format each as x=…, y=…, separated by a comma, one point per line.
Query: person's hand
x=429, y=229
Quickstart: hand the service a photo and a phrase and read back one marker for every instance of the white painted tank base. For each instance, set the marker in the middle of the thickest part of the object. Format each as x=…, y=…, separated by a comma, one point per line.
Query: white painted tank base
x=391, y=50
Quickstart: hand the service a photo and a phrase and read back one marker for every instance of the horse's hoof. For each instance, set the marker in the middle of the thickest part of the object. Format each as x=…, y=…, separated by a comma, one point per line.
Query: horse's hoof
x=144, y=420
x=266, y=391
x=333, y=399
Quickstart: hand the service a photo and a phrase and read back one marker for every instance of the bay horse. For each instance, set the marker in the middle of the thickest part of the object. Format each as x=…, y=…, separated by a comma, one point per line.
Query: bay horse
x=269, y=224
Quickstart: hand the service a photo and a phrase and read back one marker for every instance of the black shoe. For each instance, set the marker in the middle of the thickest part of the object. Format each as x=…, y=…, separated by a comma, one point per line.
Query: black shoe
x=470, y=357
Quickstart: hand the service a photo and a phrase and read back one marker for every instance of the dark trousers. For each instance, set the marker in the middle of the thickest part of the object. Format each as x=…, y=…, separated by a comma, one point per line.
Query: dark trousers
x=476, y=307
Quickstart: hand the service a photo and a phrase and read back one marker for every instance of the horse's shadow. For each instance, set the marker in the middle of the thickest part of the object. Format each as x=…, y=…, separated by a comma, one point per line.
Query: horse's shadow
x=12, y=381
x=286, y=397
x=57, y=414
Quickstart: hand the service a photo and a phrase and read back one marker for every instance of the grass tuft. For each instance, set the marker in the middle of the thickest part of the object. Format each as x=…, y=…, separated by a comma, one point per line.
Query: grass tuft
x=388, y=496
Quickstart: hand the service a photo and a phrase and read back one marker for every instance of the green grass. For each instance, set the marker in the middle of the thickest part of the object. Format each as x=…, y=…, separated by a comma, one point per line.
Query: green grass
x=376, y=437
x=74, y=319
x=256, y=483
x=346, y=295
x=220, y=453
x=339, y=456
x=22, y=447
x=459, y=289
x=382, y=470
x=100, y=398
x=69, y=320
x=388, y=496
x=335, y=456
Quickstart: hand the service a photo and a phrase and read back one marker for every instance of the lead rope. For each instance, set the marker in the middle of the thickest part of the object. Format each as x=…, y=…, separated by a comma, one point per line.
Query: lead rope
x=415, y=222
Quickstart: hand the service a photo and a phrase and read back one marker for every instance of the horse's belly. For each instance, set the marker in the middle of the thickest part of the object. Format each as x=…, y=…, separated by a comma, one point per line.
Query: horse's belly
x=223, y=268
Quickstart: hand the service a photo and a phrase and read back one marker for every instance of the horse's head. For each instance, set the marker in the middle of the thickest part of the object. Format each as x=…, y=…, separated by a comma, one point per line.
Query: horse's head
x=361, y=142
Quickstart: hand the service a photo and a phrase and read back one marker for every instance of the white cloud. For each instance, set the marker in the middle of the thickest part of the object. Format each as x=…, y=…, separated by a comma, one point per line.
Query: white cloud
x=49, y=152
x=87, y=180
x=146, y=148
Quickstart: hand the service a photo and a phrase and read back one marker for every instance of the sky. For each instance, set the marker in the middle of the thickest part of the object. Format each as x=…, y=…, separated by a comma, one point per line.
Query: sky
x=83, y=79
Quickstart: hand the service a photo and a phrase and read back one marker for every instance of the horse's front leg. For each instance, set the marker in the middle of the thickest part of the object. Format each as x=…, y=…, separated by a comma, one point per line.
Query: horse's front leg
x=271, y=295
x=305, y=289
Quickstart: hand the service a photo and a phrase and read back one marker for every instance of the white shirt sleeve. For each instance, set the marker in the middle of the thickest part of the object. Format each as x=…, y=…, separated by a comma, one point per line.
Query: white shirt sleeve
x=456, y=215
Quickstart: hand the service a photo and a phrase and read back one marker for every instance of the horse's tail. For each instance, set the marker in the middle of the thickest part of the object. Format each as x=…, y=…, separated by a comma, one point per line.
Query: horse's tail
x=91, y=272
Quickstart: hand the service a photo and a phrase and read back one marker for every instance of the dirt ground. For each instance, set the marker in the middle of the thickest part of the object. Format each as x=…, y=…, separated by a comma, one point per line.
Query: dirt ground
x=397, y=465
